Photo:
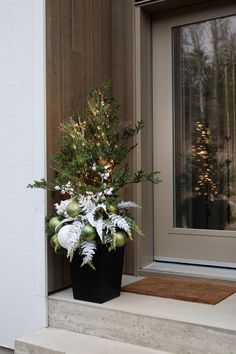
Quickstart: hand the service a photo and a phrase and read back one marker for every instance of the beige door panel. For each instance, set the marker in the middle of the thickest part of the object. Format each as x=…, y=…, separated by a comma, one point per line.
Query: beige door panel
x=178, y=243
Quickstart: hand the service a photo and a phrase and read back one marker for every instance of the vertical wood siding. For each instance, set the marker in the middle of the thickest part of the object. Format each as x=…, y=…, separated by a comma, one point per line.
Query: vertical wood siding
x=123, y=86
x=88, y=41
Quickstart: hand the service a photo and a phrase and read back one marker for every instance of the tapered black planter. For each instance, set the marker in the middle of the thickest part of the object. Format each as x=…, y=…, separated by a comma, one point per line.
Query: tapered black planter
x=102, y=284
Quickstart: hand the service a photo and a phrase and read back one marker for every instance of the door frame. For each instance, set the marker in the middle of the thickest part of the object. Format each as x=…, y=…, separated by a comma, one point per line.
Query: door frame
x=144, y=11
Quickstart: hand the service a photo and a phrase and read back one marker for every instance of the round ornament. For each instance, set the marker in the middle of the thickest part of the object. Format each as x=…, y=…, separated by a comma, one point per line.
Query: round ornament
x=53, y=223
x=63, y=236
x=88, y=232
x=120, y=238
x=112, y=209
x=73, y=209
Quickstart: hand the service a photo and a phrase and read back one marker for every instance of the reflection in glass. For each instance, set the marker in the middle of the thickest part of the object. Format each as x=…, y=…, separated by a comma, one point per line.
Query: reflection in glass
x=205, y=124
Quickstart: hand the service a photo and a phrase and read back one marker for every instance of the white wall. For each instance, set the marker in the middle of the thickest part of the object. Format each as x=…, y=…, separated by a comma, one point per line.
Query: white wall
x=22, y=159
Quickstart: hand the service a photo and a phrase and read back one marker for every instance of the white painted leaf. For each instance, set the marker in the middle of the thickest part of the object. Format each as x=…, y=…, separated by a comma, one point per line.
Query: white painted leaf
x=90, y=218
x=126, y=205
x=100, y=206
x=121, y=223
x=73, y=238
x=86, y=205
x=88, y=249
x=99, y=227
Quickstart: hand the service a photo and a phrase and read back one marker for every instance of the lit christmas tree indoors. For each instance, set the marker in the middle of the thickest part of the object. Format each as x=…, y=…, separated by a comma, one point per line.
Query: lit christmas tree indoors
x=208, y=179
x=205, y=166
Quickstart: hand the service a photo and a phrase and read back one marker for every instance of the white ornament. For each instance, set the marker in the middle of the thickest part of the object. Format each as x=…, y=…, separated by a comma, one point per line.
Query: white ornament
x=64, y=236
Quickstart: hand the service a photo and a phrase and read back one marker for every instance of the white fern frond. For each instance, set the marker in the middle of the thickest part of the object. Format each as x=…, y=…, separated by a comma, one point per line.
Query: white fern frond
x=76, y=228
x=88, y=249
x=86, y=205
x=108, y=226
x=61, y=207
x=100, y=206
x=126, y=205
x=121, y=223
x=71, y=251
x=90, y=219
x=133, y=226
x=74, y=238
x=99, y=228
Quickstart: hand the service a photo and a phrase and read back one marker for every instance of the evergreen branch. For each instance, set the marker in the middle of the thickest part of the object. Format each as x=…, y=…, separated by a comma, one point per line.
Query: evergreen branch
x=130, y=132
x=39, y=184
x=141, y=176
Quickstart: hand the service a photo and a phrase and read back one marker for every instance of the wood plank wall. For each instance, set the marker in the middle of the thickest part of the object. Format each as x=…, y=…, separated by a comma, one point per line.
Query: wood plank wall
x=123, y=85
x=87, y=41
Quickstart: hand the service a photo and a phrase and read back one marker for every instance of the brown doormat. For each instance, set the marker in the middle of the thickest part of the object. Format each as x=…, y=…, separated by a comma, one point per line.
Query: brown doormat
x=181, y=289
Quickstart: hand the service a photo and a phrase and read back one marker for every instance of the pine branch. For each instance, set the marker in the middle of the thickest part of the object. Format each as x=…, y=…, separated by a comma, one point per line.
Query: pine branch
x=141, y=176
x=130, y=132
x=39, y=184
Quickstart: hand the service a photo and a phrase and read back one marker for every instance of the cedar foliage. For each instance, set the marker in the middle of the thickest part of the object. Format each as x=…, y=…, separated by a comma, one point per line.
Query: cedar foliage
x=94, y=148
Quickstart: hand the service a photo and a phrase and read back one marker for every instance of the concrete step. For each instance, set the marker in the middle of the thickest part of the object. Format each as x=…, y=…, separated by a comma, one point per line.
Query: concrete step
x=174, y=326
x=58, y=341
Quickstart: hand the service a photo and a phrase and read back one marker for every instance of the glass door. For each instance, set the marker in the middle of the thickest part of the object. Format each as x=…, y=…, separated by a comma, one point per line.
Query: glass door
x=194, y=66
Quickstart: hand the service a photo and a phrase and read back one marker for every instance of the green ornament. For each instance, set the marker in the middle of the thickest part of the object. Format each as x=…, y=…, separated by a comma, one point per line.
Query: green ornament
x=112, y=209
x=88, y=232
x=120, y=238
x=53, y=223
x=73, y=209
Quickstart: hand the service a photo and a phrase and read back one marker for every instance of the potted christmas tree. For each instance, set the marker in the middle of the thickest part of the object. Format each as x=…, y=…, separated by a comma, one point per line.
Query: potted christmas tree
x=91, y=223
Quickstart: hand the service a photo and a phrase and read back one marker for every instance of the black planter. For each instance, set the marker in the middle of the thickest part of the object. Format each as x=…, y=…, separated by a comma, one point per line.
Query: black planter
x=102, y=284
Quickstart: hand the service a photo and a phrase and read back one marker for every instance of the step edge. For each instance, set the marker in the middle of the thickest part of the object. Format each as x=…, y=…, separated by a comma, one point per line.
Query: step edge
x=87, y=305
x=21, y=342
x=28, y=341
x=178, y=329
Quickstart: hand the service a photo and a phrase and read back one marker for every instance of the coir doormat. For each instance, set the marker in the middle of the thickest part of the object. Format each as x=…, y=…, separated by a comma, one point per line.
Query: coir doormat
x=181, y=289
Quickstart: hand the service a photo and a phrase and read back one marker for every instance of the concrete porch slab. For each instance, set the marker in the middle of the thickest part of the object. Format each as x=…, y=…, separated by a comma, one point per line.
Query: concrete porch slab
x=164, y=324
x=221, y=315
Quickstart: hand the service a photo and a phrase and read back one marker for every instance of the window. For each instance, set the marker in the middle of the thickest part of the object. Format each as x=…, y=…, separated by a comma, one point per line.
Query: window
x=205, y=124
